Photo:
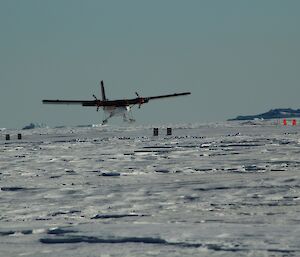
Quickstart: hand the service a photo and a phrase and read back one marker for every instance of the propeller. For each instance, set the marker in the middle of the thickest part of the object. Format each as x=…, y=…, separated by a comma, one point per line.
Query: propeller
x=141, y=100
x=96, y=99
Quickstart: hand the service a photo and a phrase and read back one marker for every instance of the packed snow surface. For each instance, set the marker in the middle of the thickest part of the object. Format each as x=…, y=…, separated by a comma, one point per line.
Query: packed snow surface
x=223, y=189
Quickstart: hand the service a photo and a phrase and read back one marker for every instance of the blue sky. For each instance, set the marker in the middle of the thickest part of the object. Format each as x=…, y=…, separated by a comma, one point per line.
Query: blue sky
x=235, y=56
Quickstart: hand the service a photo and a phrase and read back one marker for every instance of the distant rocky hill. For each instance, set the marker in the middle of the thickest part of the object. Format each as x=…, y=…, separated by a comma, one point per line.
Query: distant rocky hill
x=272, y=114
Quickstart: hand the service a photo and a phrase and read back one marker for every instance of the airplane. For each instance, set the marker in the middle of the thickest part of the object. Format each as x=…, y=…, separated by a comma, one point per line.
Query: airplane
x=114, y=107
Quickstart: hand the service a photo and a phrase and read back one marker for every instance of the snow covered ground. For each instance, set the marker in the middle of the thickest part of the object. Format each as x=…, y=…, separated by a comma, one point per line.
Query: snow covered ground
x=223, y=189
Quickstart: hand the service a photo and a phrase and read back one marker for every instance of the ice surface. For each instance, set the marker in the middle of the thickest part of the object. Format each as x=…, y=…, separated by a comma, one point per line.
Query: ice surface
x=222, y=189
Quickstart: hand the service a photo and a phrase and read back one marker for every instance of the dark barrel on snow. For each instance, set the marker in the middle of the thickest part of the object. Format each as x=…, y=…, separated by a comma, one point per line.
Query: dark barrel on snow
x=155, y=132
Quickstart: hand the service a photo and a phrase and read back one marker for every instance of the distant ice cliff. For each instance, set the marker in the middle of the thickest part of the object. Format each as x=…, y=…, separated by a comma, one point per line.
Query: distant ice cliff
x=34, y=125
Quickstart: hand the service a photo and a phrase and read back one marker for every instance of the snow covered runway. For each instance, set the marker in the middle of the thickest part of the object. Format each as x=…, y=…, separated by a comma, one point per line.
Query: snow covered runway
x=226, y=189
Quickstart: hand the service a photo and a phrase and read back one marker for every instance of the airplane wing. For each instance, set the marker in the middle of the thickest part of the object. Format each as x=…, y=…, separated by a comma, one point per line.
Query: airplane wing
x=80, y=102
x=166, y=96
x=117, y=103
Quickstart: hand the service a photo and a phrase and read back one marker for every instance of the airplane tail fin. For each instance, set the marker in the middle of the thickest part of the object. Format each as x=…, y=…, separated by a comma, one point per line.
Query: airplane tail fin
x=103, y=91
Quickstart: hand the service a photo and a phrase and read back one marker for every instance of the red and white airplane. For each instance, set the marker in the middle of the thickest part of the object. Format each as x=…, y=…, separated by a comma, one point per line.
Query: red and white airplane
x=114, y=107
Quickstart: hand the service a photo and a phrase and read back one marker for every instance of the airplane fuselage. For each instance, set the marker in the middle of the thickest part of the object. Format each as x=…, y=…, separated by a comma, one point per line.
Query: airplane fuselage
x=117, y=103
